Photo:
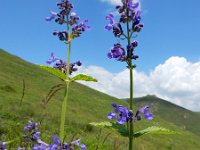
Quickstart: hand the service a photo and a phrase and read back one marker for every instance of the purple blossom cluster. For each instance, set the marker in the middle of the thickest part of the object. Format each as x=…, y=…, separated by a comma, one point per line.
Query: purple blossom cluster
x=130, y=15
x=32, y=137
x=57, y=145
x=62, y=65
x=2, y=145
x=124, y=115
x=65, y=16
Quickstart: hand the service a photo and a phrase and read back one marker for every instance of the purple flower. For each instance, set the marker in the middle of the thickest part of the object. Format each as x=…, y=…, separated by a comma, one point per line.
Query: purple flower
x=147, y=115
x=63, y=36
x=132, y=6
x=2, y=145
x=36, y=136
x=110, y=18
x=124, y=115
x=137, y=28
x=73, y=18
x=117, y=52
x=31, y=126
x=53, y=15
x=130, y=49
x=52, y=59
x=77, y=143
x=65, y=6
x=117, y=30
x=80, y=28
x=56, y=143
x=62, y=65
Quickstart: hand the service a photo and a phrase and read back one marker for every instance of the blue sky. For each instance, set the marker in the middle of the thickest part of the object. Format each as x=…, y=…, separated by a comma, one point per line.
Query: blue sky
x=171, y=28
x=171, y=31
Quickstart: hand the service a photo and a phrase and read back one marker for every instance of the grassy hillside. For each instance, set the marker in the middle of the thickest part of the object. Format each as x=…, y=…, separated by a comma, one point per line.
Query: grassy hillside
x=181, y=117
x=85, y=105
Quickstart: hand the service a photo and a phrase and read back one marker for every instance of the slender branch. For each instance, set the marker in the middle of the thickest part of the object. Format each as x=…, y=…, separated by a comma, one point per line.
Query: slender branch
x=106, y=137
x=98, y=139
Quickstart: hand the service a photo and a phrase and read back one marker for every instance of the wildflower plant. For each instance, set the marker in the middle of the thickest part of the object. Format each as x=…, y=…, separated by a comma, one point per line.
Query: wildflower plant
x=64, y=69
x=125, y=30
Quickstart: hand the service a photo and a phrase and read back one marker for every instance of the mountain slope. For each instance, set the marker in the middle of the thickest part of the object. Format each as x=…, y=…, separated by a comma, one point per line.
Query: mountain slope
x=181, y=117
x=84, y=105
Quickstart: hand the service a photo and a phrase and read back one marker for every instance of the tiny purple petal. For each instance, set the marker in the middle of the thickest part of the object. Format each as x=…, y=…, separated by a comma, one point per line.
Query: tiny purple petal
x=132, y=6
x=108, y=27
x=83, y=147
x=111, y=115
x=144, y=109
x=121, y=120
x=109, y=55
x=53, y=15
x=76, y=142
x=110, y=18
x=148, y=116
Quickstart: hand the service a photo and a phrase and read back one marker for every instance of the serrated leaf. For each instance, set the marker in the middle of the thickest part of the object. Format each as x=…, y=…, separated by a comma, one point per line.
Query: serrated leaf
x=54, y=71
x=154, y=130
x=84, y=78
x=121, y=129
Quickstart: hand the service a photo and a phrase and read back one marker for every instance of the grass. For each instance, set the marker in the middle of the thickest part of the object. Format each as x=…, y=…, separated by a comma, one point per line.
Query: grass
x=85, y=105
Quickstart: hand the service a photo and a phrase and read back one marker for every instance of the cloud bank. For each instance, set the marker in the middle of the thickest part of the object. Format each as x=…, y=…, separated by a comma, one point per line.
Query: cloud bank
x=176, y=80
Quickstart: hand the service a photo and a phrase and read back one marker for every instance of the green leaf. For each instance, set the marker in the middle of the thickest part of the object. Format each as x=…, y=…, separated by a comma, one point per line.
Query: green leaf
x=84, y=78
x=153, y=130
x=54, y=71
x=121, y=129
x=101, y=124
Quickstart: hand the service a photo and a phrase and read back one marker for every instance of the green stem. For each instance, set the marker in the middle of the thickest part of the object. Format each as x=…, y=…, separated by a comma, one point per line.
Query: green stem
x=131, y=86
x=67, y=82
x=131, y=108
x=63, y=113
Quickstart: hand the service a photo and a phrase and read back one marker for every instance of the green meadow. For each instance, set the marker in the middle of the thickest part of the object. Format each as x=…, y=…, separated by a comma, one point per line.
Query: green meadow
x=24, y=86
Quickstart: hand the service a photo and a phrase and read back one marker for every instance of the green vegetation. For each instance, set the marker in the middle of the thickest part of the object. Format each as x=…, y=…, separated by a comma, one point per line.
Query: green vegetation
x=183, y=118
x=85, y=105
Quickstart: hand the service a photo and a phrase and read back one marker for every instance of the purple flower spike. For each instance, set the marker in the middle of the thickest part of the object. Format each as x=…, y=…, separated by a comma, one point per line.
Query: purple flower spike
x=53, y=15
x=132, y=6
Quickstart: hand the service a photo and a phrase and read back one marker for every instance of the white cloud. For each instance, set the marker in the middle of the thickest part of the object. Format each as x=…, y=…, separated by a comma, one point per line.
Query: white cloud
x=176, y=80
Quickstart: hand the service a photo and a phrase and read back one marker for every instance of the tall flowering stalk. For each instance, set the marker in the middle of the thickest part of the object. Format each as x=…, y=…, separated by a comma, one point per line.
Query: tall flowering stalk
x=129, y=13
x=74, y=29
